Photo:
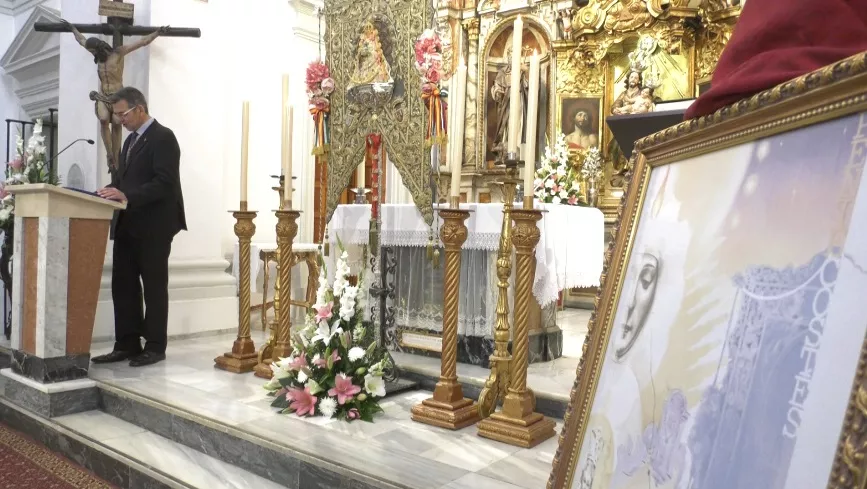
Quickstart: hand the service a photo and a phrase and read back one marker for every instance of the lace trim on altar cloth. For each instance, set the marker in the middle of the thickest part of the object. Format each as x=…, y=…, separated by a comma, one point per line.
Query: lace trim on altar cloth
x=433, y=321
x=418, y=239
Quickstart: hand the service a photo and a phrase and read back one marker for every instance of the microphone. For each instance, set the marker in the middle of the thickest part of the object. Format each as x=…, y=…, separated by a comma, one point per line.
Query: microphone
x=47, y=163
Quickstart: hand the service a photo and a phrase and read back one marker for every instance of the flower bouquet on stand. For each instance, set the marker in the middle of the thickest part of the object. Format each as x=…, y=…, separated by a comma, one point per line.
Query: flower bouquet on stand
x=556, y=181
x=334, y=370
x=428, y=49
x=320, y=86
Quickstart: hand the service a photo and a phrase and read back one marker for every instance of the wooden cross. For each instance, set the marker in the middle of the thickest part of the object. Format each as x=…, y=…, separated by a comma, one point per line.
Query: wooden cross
x=119, y=23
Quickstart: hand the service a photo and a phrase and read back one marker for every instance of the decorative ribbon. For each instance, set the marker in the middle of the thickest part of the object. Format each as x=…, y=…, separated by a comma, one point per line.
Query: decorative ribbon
x=321, y=130
x=374, y=141
x=435, y=132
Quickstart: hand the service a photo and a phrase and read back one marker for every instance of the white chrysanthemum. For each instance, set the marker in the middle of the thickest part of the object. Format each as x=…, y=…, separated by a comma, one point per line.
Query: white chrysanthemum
x=564, y=194
x=327, y=406
x=374, y=385
x=302, y=377
x=356, y=353
x=556, y=200
x=549, y=183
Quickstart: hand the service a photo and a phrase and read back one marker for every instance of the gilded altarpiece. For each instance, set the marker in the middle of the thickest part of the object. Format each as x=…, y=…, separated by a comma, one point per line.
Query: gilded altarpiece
x=589, y=50
x=375, y=37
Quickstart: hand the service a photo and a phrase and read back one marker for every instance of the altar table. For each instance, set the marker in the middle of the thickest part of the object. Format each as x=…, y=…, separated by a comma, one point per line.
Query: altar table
x=569, y=255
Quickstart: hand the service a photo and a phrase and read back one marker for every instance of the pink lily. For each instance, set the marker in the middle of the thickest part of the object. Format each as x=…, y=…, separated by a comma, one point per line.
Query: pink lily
x=343, y=389
x=302, y=401
x=324, y=312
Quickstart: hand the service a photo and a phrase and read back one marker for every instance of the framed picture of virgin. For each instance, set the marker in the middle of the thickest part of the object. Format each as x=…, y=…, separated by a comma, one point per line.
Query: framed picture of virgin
x=727, y=350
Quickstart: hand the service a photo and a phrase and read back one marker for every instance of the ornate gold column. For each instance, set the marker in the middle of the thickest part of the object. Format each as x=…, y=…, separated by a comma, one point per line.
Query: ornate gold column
x=518, y=424
x=498, y=379
x=242, y=358
x=265, y=355
x=448, y=408
x=287, y=229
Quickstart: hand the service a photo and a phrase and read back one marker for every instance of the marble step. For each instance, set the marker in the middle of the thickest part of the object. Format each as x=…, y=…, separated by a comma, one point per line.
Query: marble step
x=119, y=468
x=188, y=467
x=285, y=451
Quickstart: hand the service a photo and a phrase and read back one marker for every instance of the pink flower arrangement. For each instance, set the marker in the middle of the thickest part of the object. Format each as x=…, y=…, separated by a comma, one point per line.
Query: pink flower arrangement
x=556, y=182
x=429, y=58
x=320, y=85
x=335, y=370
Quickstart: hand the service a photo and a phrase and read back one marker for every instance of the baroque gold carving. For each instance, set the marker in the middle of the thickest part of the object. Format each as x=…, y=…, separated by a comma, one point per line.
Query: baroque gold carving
x=400, y=120
x=711, y=41
x=579, y=71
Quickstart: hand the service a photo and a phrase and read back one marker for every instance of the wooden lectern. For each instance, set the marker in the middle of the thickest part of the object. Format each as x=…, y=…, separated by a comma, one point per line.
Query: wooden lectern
x=59, y=249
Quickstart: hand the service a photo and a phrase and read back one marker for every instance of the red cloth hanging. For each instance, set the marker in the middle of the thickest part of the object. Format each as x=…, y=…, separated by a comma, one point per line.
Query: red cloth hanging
x=778, y=40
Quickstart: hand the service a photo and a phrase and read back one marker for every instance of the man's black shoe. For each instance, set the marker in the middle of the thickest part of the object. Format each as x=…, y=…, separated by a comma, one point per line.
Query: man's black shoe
x=147, y=358
x=113, y=357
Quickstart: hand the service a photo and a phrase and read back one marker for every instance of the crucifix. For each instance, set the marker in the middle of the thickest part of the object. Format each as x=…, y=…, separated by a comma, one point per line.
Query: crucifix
x=109, y=60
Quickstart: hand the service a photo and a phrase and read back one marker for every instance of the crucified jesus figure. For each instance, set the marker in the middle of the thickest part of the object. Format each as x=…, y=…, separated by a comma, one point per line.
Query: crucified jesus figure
x=109, y=66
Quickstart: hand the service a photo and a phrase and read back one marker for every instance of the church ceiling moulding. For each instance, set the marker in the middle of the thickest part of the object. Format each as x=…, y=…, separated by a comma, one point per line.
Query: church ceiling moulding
x=359, y=106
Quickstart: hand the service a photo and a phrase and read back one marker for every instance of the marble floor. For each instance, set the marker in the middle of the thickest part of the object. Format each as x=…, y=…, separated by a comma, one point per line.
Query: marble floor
x=451, y=460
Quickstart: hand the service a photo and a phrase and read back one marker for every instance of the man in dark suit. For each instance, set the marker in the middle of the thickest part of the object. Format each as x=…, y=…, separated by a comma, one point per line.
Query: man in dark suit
x=148, y=180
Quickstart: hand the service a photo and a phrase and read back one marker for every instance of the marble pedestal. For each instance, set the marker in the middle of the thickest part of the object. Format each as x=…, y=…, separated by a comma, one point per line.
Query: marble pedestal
x=59, y=248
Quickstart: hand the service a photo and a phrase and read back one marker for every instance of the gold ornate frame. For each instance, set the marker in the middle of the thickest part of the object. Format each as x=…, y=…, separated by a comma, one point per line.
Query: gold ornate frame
x=832, y=92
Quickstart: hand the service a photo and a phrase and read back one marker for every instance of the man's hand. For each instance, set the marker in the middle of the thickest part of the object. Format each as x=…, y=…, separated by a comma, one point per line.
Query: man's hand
x=111, y=194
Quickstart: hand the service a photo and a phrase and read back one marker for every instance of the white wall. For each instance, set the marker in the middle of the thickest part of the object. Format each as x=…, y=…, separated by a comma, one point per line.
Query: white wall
x=9, y=107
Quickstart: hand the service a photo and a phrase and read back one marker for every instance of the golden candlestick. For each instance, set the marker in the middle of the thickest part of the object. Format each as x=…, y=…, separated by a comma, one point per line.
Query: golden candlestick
x=517, y=423
x=265, y=355
x=242, y=358
x=287, y=229
x=448, y=408
x=498, y=380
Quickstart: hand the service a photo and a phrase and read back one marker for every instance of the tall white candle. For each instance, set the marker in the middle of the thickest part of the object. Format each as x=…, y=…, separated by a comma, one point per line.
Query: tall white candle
x=360, y=176
x=460, y=112
x=530, y=134
x=287, y=161
x=245, y=146
x=451, y=128
x=515, y=88
x=286, y=143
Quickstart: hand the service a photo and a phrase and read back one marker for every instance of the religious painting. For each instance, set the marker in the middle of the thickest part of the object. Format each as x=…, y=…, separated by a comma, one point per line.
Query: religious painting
x=731, y=324
x=495, y=73
x=580, y=120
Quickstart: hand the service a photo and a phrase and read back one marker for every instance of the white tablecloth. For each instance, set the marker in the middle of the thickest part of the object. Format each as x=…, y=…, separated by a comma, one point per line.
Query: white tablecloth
x=569, y=254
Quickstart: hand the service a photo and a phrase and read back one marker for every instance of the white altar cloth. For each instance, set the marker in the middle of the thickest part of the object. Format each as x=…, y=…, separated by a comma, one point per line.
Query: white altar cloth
x=569, y=254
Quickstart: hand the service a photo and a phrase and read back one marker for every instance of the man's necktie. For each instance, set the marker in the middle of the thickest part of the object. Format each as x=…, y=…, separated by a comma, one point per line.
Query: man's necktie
x=132, y=139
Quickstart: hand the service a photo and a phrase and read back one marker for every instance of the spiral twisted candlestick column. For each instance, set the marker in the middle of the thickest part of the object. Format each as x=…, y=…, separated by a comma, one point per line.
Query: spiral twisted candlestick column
x=448, y=408
x=517, y=423
x=287, y=229
x=242, y=358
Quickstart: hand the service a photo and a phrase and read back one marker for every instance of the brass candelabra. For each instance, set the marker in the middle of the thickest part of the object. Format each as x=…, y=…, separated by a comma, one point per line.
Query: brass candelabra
x=242, y=358
x=518, y=423
x=448, y=408
x=500, y=361
x=265, y=355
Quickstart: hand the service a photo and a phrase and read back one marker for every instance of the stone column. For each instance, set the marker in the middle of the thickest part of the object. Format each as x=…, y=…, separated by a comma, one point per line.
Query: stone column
x=471, y=134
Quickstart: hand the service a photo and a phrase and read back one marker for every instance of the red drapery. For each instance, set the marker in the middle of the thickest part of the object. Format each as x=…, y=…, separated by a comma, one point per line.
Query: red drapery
x=778, y=40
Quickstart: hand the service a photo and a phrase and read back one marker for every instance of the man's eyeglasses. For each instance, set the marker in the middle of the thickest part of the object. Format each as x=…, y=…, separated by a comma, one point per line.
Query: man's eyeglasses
x=121, y=116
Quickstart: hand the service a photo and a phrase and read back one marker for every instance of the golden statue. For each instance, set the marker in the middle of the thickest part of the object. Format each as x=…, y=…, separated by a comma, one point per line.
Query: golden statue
x=641, y=80
x=371, y=66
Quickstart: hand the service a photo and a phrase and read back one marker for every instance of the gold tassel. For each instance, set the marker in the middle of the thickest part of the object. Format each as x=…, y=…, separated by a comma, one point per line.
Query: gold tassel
x=327, y=248
x=429, y=251
x=436, y=258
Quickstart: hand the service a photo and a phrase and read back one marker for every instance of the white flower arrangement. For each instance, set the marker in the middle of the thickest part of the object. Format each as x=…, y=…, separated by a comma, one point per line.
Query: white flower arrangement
x=556, y=182
x=28, y=166
x=591, y=169
x=330, y=372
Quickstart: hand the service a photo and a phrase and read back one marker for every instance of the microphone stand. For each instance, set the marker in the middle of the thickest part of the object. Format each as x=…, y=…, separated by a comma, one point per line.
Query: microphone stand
x=53, y=158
